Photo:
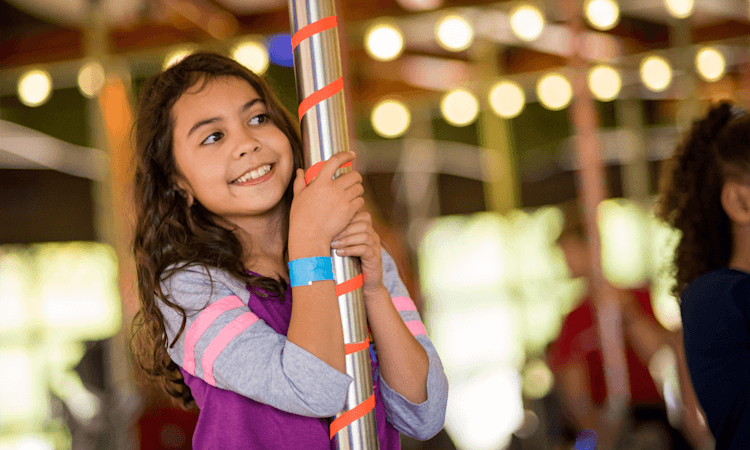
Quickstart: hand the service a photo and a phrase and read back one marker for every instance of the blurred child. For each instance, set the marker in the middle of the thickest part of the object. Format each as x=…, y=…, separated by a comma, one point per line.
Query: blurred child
x=706, y=196
x=576, y=356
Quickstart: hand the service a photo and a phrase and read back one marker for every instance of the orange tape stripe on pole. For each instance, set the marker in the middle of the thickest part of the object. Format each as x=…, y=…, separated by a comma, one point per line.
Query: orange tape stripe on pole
x=359, y=346
x=313, y=171
x=333, y=88
x=352, y=415
x=320, y=95
x=305, y=32
x=349, y=285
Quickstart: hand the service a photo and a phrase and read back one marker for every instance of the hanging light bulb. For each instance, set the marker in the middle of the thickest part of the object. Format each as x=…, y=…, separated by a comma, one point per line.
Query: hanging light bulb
x=680, y=9
x=507, y=99
x=252, y=55
x=459, y=107
x=527, y=22
x=35, y=87
x=554, y=91
x=176, y=56
x=384, y=42
x=454, y=33
x=91, y=79
x=390, y=118
x=602, y=14
x=604, y=83
x=710, y=64
x=656, y=73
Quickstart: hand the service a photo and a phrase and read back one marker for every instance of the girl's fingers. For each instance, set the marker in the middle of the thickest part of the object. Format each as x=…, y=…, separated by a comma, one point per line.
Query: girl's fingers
x=333, y=163
x=353, y=237
x=349, y=179
x=361, y=251
x=355, y=191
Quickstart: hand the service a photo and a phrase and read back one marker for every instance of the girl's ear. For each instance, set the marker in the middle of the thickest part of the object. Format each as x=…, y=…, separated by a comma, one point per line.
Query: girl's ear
x=183, y=188
x=735, y=198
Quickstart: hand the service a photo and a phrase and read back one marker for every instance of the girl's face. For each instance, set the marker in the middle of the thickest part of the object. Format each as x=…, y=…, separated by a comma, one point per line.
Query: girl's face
x=230, y=156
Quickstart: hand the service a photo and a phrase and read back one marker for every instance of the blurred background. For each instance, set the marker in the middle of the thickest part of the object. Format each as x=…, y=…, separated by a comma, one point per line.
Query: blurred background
x=511, y=153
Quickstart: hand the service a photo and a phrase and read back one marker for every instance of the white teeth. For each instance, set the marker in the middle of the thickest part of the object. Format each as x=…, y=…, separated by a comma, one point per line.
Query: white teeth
x=254, y=174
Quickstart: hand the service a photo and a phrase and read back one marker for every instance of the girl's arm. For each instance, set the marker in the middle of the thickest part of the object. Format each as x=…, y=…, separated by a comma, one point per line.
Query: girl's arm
x=227, y=346
x=413, y=384
x=319, y=212
x=403, y=361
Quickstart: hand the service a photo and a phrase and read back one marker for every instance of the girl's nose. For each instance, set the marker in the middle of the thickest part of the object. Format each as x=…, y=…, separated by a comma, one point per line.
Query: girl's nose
x=247, y=144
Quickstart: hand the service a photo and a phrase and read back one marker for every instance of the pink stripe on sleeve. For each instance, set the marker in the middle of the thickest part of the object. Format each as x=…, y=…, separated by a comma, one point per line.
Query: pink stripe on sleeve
x=220, y=342
x=404, y=304
x=416, y=327
x=201, y=324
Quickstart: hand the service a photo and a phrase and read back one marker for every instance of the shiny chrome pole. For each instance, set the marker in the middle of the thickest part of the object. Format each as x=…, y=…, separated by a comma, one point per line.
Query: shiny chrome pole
x=317, y=66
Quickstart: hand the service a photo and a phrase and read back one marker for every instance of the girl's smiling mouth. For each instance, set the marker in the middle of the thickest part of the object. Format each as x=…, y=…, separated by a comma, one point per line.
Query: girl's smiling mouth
x=255, y=176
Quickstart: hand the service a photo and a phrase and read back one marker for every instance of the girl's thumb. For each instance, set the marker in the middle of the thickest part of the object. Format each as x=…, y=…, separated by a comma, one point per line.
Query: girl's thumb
x=299, y=182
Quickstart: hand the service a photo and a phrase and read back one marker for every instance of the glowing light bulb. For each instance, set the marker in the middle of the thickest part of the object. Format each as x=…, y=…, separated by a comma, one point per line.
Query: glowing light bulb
x=384, y=42
x=454, y=33
x=680, y=9
x=91, y=79
x=710, y=63
x=459, y=107
x=420, y=5
x=604, y=83
x=252, y=55
x=527, y=22
x=507, y=99
x=602, y=14
x=176, y=56
x=656, y=73
x=35, y=87
x=390, y=118
x=554, y=91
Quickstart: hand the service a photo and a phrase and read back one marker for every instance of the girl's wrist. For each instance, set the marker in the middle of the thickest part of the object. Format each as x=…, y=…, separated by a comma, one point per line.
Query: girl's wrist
x=308, y=248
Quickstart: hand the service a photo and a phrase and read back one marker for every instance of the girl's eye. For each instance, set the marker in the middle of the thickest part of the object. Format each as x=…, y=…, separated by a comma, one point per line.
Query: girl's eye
x=259, y=119
x=213, y=138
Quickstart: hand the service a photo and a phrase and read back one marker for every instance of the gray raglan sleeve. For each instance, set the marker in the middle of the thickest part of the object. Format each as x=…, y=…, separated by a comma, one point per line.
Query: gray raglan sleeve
x=226, y=345
x=419, y=421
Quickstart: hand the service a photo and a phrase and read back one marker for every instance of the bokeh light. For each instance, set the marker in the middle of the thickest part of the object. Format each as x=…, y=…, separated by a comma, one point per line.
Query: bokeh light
x=507, y=99
x=624, y=242
x=91, y=78
x=459, y=107
x=537, y=379
x=527, y=22
x=176, y=56
x=604, y=83
x=680, y=9
x=35, y=87
x=554, y=91
x=252, y=55
x=454, y=33
x=390, y=118
x=602, y=14
x=656, y=73
x=420, y=5
x=710, y=63
x=384, y=42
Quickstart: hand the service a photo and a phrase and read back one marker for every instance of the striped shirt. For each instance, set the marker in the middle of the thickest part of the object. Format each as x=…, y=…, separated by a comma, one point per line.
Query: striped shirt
x=255, y=389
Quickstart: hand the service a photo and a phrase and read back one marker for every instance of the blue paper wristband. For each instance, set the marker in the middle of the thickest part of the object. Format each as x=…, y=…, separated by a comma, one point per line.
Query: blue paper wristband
x=303, y=271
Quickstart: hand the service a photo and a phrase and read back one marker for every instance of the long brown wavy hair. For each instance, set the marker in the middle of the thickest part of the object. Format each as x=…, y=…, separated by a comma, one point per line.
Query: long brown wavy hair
x=169, y=232
x=715, y=149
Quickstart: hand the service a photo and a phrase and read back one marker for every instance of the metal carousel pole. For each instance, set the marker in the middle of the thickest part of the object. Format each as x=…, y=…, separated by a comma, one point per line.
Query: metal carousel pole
x=317, y=65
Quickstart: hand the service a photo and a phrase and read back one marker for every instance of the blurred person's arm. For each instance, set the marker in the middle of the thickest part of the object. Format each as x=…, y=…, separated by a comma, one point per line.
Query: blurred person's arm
x=647, y=337
x=574, y=387
x=694, y=425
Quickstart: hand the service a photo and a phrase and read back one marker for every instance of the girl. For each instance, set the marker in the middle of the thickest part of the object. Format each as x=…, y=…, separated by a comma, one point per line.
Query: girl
x=706, y=197
x=222, y=210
